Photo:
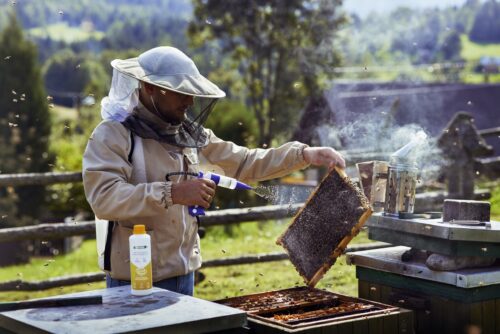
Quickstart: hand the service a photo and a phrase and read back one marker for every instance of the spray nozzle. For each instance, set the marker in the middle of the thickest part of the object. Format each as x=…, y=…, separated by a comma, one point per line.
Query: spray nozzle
x=220, y=180
x=224, y=181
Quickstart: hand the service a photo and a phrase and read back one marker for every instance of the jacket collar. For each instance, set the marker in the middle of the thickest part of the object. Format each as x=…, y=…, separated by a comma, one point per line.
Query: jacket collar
x=156, y=123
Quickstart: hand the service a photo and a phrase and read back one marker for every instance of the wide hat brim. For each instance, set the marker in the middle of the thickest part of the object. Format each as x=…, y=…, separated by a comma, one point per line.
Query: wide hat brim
x=194, y=85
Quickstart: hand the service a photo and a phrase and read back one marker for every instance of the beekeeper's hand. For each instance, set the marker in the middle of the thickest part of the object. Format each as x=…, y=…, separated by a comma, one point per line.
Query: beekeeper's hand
x=323, y=156
x=193, y=192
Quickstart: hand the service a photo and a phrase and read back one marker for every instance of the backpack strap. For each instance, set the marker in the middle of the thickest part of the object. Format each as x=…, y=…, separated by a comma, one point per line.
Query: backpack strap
x=111, y=224
x=132, y=145
x=107, y=248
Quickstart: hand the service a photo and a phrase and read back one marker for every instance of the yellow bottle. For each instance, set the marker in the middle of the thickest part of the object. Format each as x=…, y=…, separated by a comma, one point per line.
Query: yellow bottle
x=141, y=272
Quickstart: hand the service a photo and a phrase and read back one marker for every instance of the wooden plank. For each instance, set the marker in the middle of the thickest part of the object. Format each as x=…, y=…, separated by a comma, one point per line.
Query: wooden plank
x=19, y=285
x=488, y=309
x=406, y=322
x=374, y=292
x=363, y=289
x=329, y=330
x=258, y=326
x=449, y=314
x=385, y=292
x=497, y=316
x=437, y=314
x=360, y=326
x=390, y=323
x=31, y=179
x=376, y=325
x=345, y=328
x=316, y=330
x=475, y=314
x=423, y=321
x=462, y=316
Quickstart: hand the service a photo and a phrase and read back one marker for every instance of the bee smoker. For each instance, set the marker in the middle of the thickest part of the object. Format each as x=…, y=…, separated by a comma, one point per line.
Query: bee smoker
x=402, y=178
x=401, y=185
x=373, y=179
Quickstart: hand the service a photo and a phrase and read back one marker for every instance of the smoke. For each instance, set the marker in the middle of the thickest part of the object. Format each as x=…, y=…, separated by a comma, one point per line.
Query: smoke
x=377, y=132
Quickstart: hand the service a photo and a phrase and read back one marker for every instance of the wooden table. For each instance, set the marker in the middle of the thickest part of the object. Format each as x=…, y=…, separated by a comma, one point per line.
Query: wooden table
x=161, y=312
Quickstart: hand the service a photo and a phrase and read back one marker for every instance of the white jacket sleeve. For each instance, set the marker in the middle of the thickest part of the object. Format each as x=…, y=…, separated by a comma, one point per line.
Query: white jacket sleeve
x=249, y=165
x=106, y=172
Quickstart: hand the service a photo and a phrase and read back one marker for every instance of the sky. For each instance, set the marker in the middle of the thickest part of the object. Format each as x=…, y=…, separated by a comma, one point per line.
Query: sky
x=364, y=7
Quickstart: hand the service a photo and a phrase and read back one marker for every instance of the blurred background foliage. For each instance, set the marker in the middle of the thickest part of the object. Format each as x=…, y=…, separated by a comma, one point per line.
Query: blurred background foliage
x=271, y=58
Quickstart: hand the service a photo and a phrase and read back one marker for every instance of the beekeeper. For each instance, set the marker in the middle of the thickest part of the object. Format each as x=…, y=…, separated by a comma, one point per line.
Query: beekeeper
x=153, y=125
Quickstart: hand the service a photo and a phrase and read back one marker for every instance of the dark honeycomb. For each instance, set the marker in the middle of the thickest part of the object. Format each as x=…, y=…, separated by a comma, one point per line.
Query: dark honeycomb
x=331, y=217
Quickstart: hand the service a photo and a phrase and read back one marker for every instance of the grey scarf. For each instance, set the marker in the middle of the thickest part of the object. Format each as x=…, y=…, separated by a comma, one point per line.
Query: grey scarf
x=147, y=125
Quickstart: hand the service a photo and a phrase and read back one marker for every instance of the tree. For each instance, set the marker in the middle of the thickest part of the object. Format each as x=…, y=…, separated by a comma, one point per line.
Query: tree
x=486, y=28
x=68, y=72
x=24, y=116
x=231, y=121
x=451, y=46
x=283, y=49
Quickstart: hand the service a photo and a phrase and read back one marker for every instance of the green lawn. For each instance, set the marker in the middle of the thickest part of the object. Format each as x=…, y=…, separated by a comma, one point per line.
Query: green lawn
x=248, y=238
x=473, y=51
x=495, y=203
x=63, y=32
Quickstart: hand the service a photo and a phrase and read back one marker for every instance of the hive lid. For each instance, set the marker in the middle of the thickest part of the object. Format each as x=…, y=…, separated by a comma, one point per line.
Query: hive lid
x=321, y=230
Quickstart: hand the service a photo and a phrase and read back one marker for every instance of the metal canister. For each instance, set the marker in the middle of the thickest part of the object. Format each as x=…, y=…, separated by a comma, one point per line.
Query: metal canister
x=401, y=185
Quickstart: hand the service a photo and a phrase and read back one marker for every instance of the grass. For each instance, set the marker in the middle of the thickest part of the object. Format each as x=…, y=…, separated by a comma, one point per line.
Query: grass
x=82, y=260
x=63, y=32
x=61, y=114
x=248, y=238
x=472, y=51
x=495, y=203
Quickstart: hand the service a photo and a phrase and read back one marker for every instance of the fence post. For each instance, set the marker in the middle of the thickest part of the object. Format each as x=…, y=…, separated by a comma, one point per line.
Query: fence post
x=461, y=144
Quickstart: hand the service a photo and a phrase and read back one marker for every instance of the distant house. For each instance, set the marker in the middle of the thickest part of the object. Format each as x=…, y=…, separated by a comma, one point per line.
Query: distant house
x=488, y=65
x=334, y=117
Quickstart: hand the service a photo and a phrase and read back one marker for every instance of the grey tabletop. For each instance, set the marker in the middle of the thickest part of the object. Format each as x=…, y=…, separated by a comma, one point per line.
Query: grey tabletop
x=437, y=229
x=162, y=311
x=389, y=260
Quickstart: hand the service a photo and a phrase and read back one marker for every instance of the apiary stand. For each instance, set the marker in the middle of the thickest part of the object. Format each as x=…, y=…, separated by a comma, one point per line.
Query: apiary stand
x=443, y=301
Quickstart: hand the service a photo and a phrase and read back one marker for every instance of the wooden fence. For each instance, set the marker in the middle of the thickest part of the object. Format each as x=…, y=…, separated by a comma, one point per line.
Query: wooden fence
x=464, y=163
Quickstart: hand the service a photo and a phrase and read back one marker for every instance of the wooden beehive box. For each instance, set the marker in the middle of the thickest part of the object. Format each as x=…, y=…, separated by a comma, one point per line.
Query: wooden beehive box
x=321, y=230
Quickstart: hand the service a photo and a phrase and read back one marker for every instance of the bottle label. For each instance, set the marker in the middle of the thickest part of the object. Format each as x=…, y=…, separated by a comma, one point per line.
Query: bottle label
x=140, y=268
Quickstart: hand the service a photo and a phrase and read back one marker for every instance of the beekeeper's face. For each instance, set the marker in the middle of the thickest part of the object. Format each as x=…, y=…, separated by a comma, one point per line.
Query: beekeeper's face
x=171, y=105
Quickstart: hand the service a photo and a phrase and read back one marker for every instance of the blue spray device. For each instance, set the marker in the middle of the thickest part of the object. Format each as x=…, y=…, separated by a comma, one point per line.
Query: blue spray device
x=219, y=180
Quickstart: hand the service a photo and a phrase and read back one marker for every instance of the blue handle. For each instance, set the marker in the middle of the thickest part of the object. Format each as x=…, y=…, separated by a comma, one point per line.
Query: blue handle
x=196, y=211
